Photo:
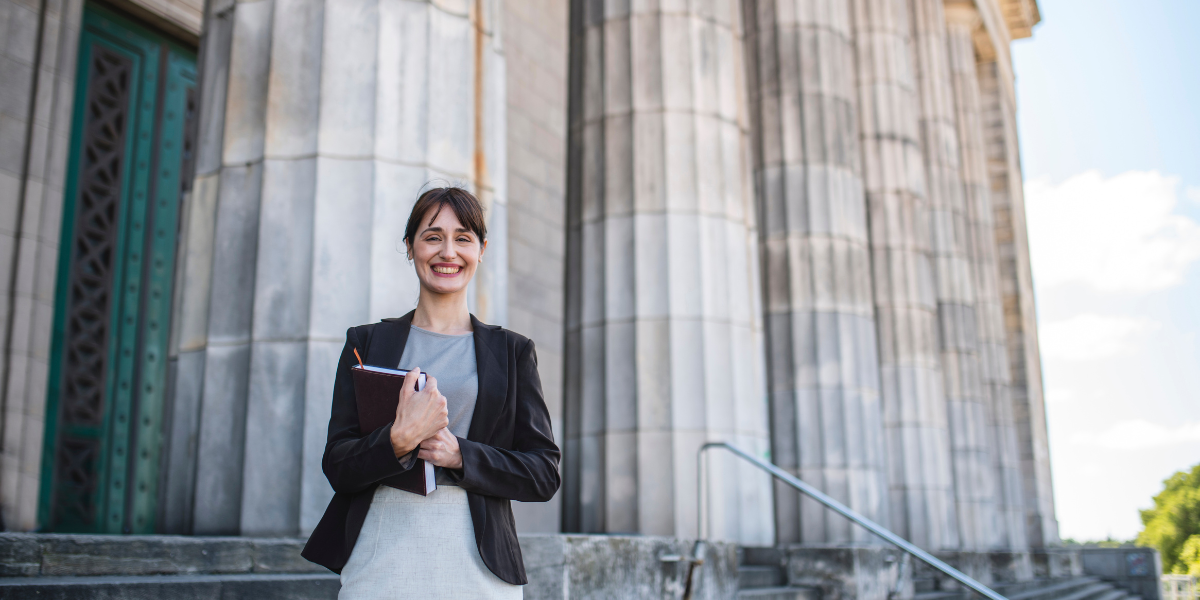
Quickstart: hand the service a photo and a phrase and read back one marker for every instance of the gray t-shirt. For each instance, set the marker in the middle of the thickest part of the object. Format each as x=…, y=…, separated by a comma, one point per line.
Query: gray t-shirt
x=451, y=360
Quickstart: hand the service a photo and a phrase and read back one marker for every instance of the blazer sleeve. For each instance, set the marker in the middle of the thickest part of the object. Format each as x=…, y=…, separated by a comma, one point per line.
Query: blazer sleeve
x=354, y=461
x=528, y=472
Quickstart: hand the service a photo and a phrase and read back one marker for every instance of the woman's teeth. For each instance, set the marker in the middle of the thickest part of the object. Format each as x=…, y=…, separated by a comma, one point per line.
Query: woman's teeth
x=447, y=270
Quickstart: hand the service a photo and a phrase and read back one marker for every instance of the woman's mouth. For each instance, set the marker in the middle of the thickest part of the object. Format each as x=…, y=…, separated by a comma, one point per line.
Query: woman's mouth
x=447, y=270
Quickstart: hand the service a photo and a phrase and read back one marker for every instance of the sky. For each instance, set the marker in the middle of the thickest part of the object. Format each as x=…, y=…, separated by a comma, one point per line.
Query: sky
x=1108, y=96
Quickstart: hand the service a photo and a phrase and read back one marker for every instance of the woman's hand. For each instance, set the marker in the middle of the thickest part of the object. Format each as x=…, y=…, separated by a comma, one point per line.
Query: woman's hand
x=441, y=450
x=419, y=415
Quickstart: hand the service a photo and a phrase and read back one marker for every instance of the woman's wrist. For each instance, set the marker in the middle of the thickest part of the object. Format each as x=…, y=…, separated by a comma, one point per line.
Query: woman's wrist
x=401, y=443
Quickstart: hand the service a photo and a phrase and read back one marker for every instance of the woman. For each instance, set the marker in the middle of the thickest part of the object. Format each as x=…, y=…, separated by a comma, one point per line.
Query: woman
x=480, y=419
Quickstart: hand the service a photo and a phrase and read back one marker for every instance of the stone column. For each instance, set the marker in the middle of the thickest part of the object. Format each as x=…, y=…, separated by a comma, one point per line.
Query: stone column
x=963, y=23
x=536, y=52
x=958, y=339
x=1016, y=288
x=663, y=329
x=823, y=370
x=915, y=422
x=323, y=122
x=37, y=72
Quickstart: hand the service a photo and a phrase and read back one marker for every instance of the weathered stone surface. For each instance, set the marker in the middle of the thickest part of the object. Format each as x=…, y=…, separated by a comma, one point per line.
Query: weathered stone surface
x=332, y=121
x=848, y=572
x=35, y=126
x=1135, y=570
x=914, y=408
x=535, y=51
x=962, y=24
x=49, y=555
x=970, y=427
x=182, y=587
x=1016, y=286
x=20, y=555
x=602, y=567
x=559, y=566
x=663, y=327
x=1056, y=562
x=822, y=360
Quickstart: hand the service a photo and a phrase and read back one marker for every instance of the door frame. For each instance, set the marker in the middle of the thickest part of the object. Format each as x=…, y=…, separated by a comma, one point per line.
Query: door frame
x=156, y=58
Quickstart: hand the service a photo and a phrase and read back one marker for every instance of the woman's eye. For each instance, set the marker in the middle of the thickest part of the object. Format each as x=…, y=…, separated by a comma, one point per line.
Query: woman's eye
x=433, y=238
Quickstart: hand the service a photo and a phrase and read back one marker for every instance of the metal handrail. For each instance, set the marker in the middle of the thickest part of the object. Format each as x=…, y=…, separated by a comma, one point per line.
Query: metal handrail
x=841, y=509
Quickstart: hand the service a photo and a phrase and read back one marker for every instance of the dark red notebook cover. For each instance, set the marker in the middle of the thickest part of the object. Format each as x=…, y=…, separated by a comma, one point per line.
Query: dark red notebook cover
x=377, y=392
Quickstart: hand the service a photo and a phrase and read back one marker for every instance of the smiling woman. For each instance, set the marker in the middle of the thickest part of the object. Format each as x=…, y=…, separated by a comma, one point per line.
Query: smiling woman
x=446, y=246
x=481, y=420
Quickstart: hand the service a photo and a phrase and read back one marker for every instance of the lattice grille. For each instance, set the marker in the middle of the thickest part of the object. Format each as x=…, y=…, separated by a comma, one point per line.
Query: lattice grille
x=95, y=237
x=75, y=467
x=90, y=286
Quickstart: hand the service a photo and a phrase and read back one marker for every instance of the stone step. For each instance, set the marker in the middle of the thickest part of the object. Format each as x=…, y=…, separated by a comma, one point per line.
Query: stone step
x=752, y=576
x=1056, y=590
x=1091, y=592
x=1081, y=588
x=58, y=555
x=293, y=586
x=779, y=593
x=763, y=556
x=938, y=595
x=1114, y=595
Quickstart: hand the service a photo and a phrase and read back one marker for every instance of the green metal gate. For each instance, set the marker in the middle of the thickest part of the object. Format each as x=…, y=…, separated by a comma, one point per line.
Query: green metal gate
x=130, y=160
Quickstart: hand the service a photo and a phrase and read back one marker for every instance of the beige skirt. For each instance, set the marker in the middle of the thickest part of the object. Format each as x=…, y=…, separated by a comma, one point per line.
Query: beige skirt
x=415, y=546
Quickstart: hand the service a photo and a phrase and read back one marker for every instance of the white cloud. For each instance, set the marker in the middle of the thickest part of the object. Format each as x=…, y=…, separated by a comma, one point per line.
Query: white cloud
x=1090, y=336
x=1060, y=396
x=1138, y=433
x=1115, y=234
x=1193, y=194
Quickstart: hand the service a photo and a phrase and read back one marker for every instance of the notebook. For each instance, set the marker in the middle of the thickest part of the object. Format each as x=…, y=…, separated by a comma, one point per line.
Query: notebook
x=377, y=392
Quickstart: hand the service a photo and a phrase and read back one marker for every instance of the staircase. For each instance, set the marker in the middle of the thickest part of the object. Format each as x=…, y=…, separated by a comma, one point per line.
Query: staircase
x=77, y=567
x=1074, y=588
x=762, y=576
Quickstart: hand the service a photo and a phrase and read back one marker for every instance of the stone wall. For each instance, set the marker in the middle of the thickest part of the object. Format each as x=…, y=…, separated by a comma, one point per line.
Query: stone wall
x=1135, y=570
x=535, y=40
x=37, y=86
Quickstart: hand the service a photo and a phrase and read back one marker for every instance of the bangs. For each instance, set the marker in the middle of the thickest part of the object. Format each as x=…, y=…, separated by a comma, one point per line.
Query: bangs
x=464, y=204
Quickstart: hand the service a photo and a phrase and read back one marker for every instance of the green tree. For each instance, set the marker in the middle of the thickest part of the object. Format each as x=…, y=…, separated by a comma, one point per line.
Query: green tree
x=1173, y=525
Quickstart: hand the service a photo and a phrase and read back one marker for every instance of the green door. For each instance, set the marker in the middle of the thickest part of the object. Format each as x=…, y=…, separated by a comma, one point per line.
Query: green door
x=129, y=166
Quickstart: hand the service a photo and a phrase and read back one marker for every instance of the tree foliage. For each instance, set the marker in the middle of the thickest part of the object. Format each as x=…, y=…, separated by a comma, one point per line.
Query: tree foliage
x=1173, y=525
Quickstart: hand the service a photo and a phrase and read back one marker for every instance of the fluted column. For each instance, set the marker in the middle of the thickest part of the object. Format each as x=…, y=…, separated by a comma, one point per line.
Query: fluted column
x=323, y=121
x=823, y=371
x=958, y=340
x=663, y=329
x=1016, y=289
x=915, y=422
x=962, y=24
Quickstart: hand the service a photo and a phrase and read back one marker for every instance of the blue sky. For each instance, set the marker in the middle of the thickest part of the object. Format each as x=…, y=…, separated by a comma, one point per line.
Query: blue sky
x=1109, y=117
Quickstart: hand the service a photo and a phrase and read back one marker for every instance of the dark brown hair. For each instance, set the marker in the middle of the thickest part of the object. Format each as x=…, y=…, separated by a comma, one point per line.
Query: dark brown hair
x=464, y=204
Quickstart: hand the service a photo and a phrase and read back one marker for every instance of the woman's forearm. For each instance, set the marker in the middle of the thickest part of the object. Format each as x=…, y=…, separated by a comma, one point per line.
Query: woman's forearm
x=353, y=464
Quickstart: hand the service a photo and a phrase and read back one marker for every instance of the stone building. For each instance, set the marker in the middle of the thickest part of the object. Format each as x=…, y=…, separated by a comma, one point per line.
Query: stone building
x=795, y=225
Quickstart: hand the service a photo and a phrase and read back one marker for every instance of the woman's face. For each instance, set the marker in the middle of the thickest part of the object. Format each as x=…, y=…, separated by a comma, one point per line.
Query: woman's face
x=445, y=253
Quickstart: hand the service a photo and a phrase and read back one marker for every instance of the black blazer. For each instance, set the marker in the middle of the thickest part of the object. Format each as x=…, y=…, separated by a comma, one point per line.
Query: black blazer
x=509, y=453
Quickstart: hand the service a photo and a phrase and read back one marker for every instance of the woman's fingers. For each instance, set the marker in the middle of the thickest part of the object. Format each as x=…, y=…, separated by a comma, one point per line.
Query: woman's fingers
x=410, y=380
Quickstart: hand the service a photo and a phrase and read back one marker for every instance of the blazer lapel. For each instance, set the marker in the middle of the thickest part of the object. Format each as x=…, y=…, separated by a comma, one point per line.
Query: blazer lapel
x=491, y=361
x=387, y=346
